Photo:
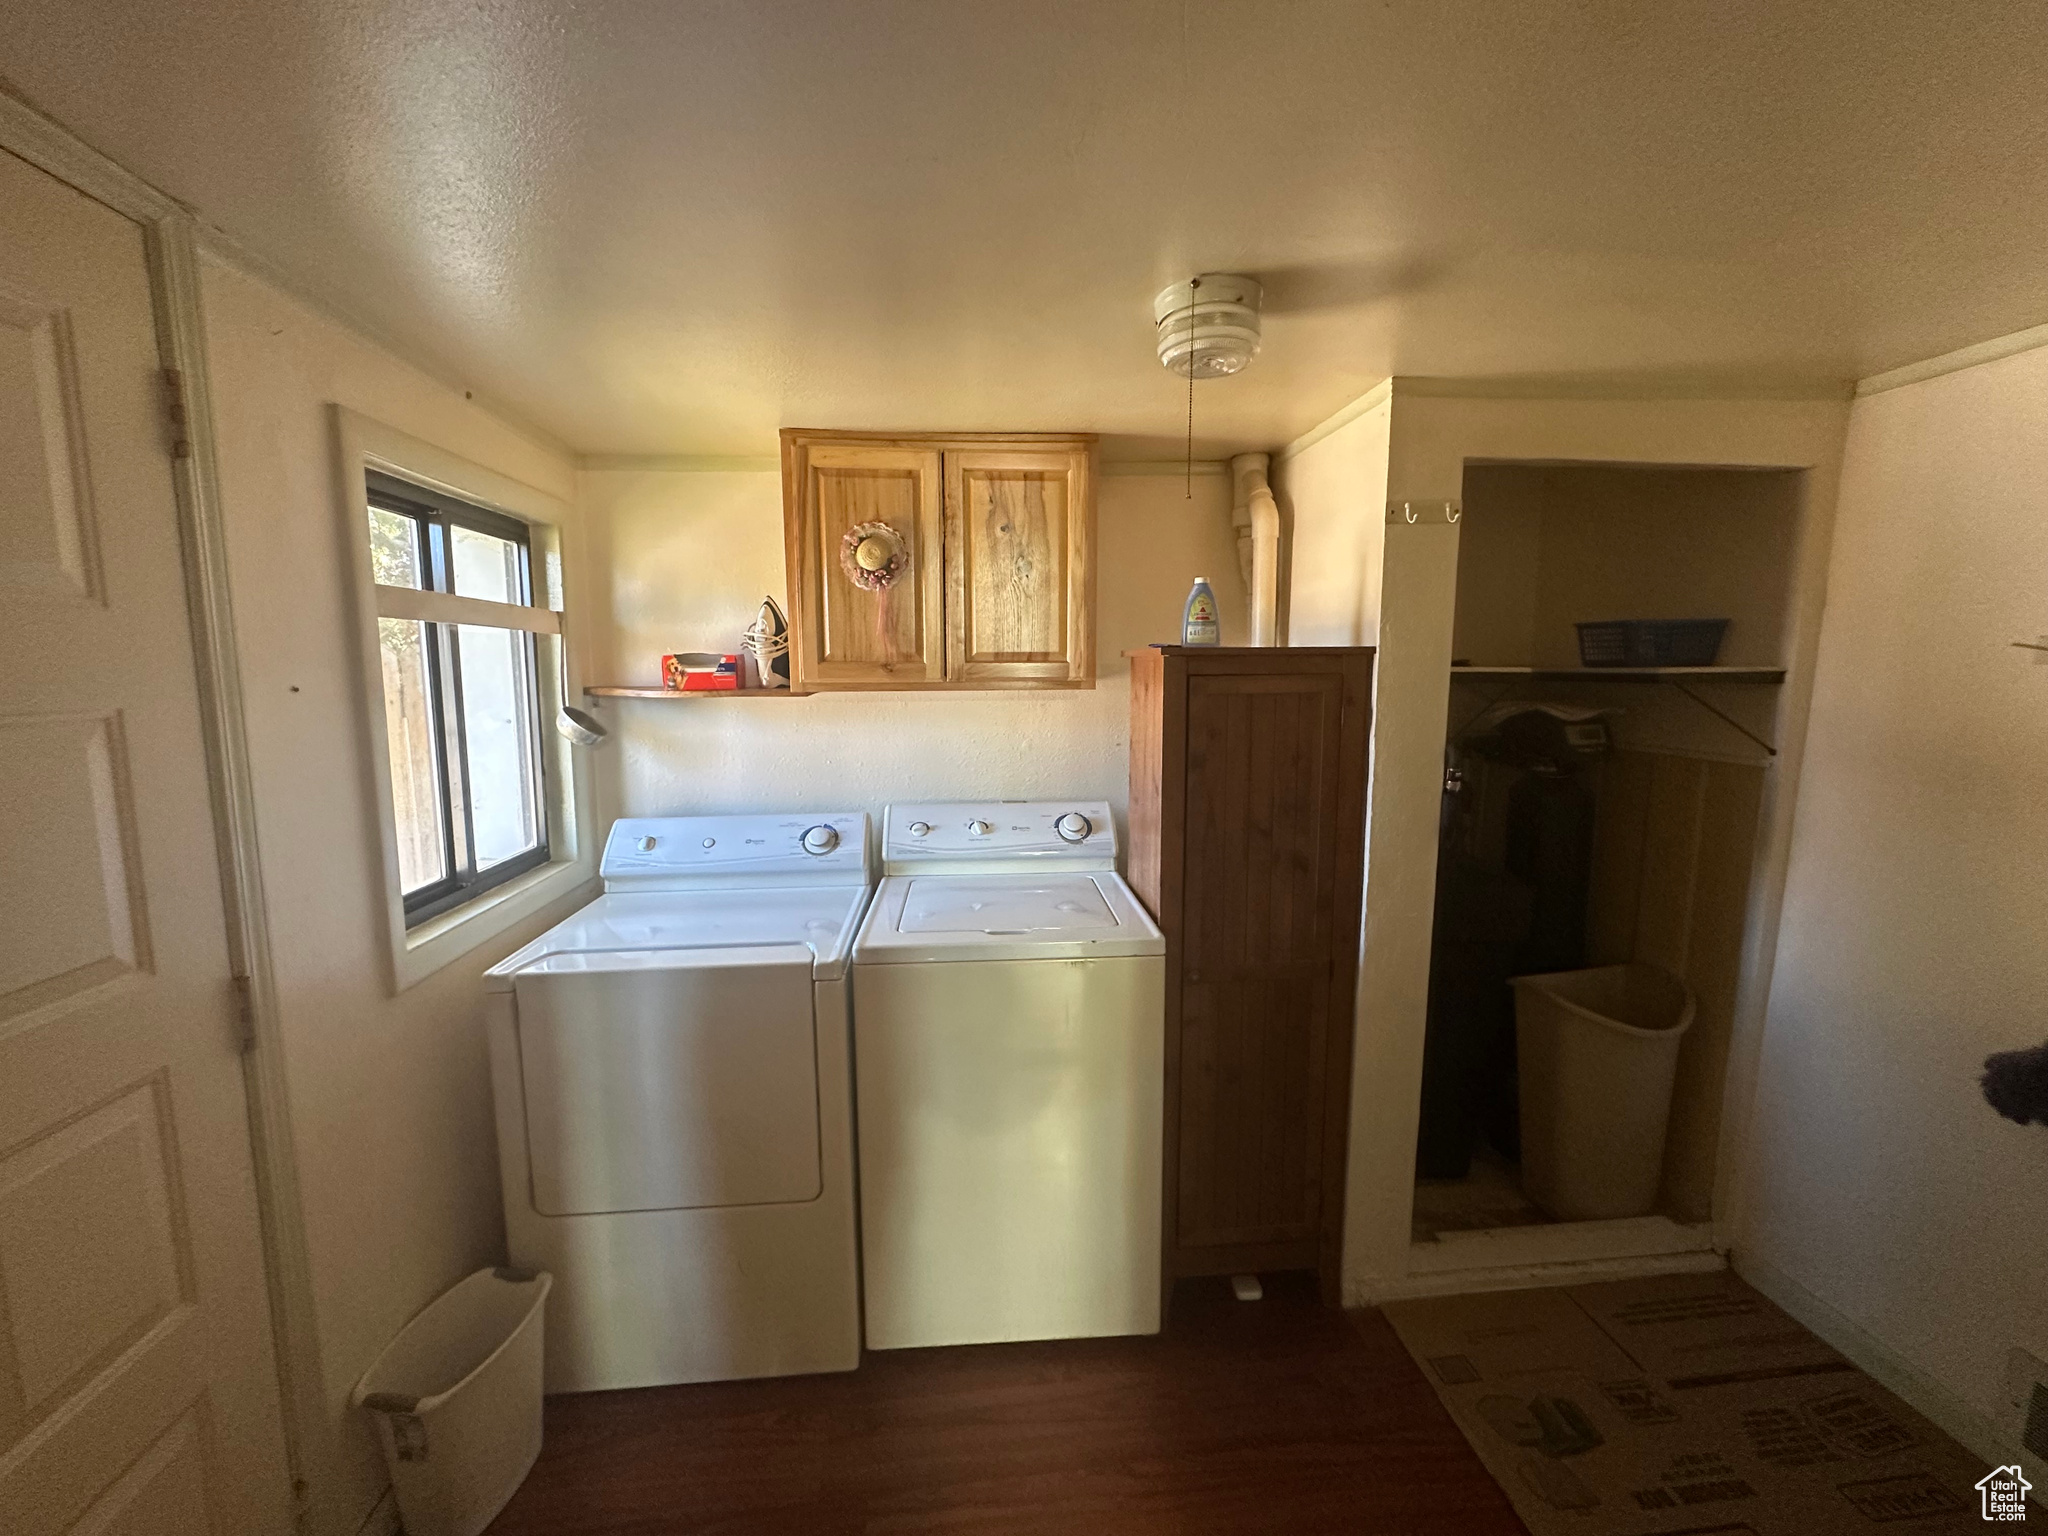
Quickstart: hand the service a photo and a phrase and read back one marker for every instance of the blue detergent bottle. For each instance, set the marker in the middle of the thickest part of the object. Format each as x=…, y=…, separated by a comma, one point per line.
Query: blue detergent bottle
x=1198, y=621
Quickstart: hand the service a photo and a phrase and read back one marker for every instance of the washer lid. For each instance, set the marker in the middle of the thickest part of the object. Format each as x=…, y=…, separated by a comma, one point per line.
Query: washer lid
x=979, y=904
x=655, y=924
x=938, y=918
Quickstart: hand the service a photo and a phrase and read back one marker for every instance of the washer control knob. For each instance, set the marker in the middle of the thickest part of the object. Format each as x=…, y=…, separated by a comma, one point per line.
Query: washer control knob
x=710, y=842
x=821, y=840
x=647, y=845
x=920, y=829
x=1074, y=827
x=979, y=828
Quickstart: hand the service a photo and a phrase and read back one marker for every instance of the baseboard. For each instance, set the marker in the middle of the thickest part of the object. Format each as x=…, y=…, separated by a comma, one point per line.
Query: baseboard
x=1951, y=1413
x=1372, y=1292
x=383, y=1519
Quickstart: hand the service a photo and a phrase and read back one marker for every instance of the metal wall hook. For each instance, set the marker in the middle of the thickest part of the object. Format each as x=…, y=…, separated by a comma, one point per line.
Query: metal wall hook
x=1412, y=513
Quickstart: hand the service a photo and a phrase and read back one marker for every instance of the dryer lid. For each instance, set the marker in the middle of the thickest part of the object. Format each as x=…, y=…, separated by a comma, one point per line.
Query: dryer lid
x=672, y=927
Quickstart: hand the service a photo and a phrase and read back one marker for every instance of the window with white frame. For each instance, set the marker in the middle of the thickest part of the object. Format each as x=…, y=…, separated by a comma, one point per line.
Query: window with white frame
x=456, y=628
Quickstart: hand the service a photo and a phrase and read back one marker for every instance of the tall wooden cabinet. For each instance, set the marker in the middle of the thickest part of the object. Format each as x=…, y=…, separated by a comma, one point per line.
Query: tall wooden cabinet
x=929, y=561
x=1247, y=823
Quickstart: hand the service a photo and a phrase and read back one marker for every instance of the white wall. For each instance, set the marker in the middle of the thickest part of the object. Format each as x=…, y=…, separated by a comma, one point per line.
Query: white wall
x=1915, y=930
x=691, y=553
x=1432, y=437
x=1332, y=489
x=389, y=1097
x=1543, y=547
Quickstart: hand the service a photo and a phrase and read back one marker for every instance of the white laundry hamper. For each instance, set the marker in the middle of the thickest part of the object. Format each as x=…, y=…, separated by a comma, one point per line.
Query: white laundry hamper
x=1597, y=1053
x=457, y=1400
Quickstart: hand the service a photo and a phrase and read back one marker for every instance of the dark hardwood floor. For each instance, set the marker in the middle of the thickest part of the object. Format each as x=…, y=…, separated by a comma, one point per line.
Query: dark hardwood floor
x=1269, y=1416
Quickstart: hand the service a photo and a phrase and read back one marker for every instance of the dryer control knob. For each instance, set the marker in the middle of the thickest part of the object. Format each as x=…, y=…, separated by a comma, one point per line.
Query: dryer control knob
x=979, y=828
x=820, y=840
x=920, y=829
x=1074, y=827
x=647, y=845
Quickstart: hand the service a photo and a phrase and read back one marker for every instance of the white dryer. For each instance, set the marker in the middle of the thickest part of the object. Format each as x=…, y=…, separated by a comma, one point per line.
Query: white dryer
x=1009, y=1031
x=674, y=1105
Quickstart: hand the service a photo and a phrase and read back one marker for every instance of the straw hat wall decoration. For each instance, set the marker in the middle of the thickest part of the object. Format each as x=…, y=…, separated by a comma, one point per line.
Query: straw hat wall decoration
x=873, y=555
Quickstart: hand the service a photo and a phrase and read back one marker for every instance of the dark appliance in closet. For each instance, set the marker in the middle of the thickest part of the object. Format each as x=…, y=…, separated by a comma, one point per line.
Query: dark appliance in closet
x=1515, y=910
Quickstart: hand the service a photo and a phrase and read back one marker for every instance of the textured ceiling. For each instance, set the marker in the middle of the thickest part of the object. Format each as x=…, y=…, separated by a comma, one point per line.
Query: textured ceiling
x=674, y=227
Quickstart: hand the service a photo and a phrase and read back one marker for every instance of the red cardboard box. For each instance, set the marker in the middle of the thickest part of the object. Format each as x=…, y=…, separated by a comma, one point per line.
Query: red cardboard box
x=700, y=672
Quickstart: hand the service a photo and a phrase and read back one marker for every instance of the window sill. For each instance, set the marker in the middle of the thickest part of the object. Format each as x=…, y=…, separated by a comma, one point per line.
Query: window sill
x=442, y=940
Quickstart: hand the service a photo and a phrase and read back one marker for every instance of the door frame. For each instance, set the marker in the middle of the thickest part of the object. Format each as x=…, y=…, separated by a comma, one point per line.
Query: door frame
x=172, y=254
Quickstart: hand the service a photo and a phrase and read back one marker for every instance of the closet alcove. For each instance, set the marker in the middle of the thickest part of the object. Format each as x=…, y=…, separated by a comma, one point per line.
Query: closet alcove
x=1636, y=842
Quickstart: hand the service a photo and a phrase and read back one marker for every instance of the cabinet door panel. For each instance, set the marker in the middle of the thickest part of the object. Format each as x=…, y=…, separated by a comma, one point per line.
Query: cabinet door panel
x=1259, y=902
x=1252, y=1048
x=1019, y=584
x=849, y=636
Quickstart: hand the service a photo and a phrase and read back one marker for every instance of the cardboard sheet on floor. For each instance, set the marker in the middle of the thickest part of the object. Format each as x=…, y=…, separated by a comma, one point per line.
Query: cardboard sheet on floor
x=1681, y=1404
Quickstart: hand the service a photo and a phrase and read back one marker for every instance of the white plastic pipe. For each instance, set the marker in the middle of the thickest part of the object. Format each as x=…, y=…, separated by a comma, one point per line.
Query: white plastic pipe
x=1256, y=516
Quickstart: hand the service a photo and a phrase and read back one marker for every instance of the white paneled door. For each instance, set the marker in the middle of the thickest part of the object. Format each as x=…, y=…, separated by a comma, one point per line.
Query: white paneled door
x=138, y=1390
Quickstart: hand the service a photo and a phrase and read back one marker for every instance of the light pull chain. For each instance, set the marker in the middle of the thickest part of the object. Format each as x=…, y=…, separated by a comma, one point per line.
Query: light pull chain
x=1189, y=494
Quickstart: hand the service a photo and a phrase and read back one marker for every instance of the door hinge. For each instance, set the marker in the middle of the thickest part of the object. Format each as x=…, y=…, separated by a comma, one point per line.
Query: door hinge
x=245, y=1014
x=174, y=412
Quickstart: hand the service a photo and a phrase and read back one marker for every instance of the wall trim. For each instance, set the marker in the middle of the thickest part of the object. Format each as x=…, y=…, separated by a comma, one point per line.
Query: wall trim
x=1991, y=351
x=47, y=145
x=724, y=464
x=1378, y=394
x=683, y=463
x=1876, y=1359
x=1594, y=386
x=172, y=253
x=1163, y=467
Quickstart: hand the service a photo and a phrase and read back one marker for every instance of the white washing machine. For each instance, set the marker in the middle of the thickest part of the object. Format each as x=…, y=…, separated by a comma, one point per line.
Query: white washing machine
x=674, y=1103
x=1009, y=1031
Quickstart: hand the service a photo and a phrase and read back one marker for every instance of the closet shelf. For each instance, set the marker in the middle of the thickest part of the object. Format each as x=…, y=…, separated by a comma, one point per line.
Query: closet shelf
x=611, y=692
x=1677, y=678
x=1757, y=675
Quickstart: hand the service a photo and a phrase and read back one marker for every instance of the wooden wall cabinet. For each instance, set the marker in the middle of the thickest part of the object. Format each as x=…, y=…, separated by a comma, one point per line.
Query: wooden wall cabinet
x=1247, y=828
x=998, y=535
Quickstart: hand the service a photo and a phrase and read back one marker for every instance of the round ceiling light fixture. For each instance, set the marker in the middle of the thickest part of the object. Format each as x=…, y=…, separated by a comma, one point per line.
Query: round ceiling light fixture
x=1209, y=325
